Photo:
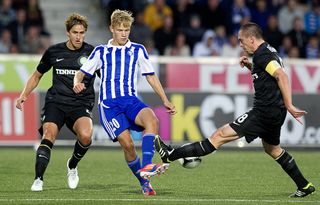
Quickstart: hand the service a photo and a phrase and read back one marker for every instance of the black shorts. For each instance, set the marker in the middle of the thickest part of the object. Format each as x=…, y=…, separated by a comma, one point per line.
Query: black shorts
x=264, y=123
x=63, y=114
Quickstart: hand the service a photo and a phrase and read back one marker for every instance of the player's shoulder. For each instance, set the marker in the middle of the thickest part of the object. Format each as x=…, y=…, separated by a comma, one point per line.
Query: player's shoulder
x=141, y=48
x=265, y=49
x=88, y=46
x=54, y=49
x=101, y=46
x=57, y=46
x=138, y=45
x=265, y=53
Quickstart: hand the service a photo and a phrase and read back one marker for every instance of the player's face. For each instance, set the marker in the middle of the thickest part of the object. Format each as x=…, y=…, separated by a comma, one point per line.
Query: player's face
x=76, y=36
x=120, y=35
x=246, y=42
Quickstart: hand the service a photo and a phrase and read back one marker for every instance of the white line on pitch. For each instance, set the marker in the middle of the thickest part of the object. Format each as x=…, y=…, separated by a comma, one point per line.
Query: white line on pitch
x=168, y=200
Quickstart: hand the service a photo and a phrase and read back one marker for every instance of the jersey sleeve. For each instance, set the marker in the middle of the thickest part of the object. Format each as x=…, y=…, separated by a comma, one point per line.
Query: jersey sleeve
x=44, y=64
x=144, y=62
x=93, y=63
x=272, y=66
x=268, y=62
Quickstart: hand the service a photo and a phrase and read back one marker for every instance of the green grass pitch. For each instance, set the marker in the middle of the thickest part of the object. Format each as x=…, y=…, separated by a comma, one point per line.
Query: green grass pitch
x=226, y=177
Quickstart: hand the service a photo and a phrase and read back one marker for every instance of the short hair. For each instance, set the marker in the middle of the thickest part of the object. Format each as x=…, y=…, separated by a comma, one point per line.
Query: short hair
x=252, y=29
x=119, y=17
x=76, y=19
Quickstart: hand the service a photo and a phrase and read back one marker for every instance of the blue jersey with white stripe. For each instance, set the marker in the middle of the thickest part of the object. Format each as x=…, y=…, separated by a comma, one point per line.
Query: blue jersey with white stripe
x=119, y=66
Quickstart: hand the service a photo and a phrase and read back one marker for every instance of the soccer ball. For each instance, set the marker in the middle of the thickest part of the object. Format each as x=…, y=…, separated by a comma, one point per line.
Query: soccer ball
x=190, y=162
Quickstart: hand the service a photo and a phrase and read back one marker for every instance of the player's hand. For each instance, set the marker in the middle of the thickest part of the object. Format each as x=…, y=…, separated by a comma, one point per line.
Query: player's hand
x=244, y=61
x=79, y=87
x=171, y=109
x=19, y=102
x=296, y=113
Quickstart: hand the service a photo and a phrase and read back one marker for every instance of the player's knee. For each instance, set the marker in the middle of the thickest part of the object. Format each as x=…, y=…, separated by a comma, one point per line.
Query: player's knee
x=152, y=125
x=155, y=122
x=273, y=151
x=49, y=136
x=85, y=136
x=128, y=147
x=85, y=141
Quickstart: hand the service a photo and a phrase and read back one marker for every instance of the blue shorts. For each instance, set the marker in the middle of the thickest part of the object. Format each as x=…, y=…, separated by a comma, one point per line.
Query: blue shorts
x=117, y=115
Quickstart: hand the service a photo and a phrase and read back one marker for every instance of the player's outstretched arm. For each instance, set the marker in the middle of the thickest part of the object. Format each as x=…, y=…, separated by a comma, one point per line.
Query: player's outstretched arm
x=32, y=83
x=78, y=86
x=284, y=85
x=157, y=87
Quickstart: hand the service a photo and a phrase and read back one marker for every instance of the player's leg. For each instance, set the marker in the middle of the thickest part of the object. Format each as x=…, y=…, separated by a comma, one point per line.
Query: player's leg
x=221, y=136
x=133, y=161
x=52, y=120
x=116, y=126
x=244, y=125
x=289, y=165
x=78, y=121
x=83, y=127
x=148, y=120
x=50, y=131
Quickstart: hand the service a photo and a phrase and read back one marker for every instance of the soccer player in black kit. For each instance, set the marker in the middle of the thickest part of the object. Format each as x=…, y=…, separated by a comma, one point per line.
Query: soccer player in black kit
x=62, y=105
x=272, y=100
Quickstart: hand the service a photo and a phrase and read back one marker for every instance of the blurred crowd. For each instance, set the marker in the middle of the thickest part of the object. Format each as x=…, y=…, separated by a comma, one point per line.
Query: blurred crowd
x=182, y=27
x=22, y=28
x=209, y=27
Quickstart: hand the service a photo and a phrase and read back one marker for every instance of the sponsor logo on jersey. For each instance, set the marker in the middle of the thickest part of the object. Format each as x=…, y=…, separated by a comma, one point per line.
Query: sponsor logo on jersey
x=65, y=72
x=59, y=59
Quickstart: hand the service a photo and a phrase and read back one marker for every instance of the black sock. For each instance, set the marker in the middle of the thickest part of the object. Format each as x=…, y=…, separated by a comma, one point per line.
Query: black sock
x=289, y=165
x=43, y=157
x=195, y=149
x=78, y=152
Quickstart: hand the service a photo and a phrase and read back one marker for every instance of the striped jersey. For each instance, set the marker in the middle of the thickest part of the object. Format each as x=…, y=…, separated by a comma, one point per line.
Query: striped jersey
x=120, y=66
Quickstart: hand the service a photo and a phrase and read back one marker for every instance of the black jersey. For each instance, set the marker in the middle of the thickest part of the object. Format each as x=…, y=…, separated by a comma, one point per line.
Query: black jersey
x=64, y=63
x=267, y=92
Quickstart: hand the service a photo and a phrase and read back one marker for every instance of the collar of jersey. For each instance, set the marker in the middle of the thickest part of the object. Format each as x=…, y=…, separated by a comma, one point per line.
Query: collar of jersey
x=128, y=44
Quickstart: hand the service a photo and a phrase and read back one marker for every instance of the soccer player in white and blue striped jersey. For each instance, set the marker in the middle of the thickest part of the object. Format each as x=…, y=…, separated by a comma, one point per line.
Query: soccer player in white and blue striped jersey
x=120, y=110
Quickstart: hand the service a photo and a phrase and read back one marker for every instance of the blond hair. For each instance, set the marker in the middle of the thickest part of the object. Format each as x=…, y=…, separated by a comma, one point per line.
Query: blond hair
x=119, y=17
x=76, y=19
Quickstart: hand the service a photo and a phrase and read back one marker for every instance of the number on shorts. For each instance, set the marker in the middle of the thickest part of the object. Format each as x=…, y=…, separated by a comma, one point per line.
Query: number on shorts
x=114, y=124
x=242, y=118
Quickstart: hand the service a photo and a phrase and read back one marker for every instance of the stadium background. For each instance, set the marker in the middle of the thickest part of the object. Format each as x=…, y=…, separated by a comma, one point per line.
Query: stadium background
x=208, y=91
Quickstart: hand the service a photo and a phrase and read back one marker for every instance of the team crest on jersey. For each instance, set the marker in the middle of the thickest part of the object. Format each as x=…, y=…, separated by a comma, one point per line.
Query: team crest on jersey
x=82, y=60
x=130, y=53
